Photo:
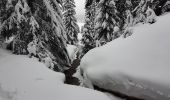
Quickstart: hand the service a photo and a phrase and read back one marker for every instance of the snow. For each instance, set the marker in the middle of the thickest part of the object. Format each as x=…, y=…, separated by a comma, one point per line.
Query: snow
x=150, y=15
x=136, y=66
x=17, y=16
x=48, y=62
x=116, y=29
x=34, y=24
x=80, y=24
x=80, y=34
x=112, y=3
x=56, y=18
x=72, y=50
x=24, y=9
x=23, y=78
x=104, y=24
x=32, y=48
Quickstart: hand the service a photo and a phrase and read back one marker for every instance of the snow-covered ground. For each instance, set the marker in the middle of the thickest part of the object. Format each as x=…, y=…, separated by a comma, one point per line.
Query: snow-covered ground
x=80, y=34
x=137, y=66
x=72, y=50
x=80, y=24
x=23, y=78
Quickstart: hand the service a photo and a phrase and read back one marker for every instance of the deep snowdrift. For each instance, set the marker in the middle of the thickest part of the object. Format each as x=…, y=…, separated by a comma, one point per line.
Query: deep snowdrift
x=22, y=78
x=137, y=66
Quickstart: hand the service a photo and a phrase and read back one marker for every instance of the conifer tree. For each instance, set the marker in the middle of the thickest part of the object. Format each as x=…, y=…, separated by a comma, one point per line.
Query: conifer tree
x=139, y=12
x=128, y=13
x=88, y=30
x=70, y=22
x=150, y=15
x=37, y=29
x=105, y=21
x=128, y=19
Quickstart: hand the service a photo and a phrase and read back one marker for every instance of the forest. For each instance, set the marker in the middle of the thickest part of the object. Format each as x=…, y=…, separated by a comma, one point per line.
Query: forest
x=119, y=52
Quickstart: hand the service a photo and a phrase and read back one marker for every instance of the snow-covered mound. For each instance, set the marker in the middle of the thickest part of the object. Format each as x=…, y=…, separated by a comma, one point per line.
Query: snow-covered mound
x=22, y=78
x=137, y=66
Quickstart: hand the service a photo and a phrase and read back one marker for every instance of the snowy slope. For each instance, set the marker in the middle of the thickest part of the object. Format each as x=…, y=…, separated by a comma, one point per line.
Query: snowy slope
x=22, y=78
x=138, y=65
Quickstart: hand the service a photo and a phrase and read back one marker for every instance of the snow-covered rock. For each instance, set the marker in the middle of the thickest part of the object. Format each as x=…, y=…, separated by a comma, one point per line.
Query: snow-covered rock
x=23, y=78
x=138, y=66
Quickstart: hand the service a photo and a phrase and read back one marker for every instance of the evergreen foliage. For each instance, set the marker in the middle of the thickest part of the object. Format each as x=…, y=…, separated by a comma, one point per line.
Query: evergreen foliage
x=70, y=22
x=88, y=30
x=105, y=22
x=113, y=18
x=37, y=29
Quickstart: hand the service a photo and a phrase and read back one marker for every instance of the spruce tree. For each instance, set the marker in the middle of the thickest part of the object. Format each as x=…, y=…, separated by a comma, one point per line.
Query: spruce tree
x=128, y=19
x=150, y=15
x=105, y=22
x=88, y=30
x=37, y=29
x=128, y=13
x=139, y=12
x=70, y=22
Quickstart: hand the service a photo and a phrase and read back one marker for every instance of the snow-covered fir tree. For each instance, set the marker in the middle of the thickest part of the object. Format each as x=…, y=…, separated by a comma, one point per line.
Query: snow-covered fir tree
x=37, y=29
x=17, y=24
x=128, y=19
x=107, y=28
x=105, y=22
x=140, y=11
x=150, y=15
x=158, y=6
x=88, y=30
x=87, y=35
x=2, y=12
x=70, y=22
x=128, y=14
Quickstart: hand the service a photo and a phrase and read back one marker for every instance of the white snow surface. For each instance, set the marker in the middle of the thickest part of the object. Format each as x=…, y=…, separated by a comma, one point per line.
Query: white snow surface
x=32, y=48
x=72, y=50
x=79, y=36
x=23, y=78
x=137, y=66
x=80, y=24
